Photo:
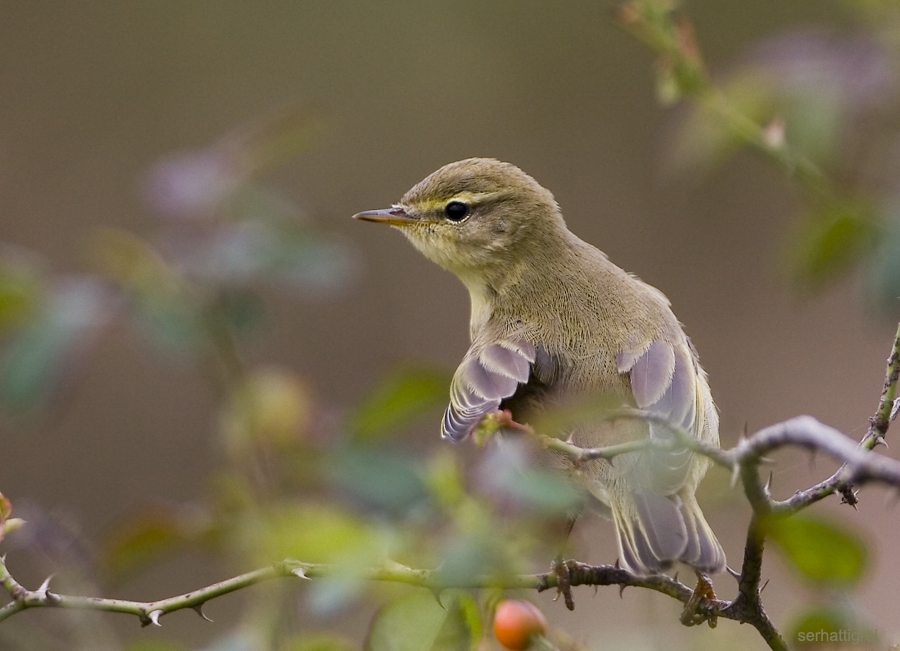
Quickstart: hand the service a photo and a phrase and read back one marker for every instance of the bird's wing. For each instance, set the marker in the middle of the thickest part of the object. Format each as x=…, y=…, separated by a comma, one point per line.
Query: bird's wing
x=664, y=382
x=486, y=376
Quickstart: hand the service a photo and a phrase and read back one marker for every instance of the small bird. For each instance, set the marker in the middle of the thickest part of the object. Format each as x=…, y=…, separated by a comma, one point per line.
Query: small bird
x=553, y=319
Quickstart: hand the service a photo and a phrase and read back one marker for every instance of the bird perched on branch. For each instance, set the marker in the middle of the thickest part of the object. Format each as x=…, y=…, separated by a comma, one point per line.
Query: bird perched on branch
x=552, y=318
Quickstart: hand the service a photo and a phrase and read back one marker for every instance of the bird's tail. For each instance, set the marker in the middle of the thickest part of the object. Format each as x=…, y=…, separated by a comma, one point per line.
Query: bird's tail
x=654, y=531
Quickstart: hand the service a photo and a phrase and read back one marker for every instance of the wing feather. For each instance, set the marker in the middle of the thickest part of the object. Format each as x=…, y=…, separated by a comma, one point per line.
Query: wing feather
x=486, y=376
x=664, y=382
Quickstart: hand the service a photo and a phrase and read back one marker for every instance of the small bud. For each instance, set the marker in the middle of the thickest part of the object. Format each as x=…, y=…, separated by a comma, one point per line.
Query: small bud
x=773, y=133
x=12, y=525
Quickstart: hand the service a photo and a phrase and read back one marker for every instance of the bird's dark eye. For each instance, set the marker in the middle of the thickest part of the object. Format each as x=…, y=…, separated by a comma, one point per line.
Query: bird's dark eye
x=456, y=210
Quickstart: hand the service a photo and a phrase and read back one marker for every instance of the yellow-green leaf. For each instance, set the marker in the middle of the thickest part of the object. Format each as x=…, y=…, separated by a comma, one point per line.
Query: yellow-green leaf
x=398, y=398
x=831, y=242
x=820, y=550
x=417, y=622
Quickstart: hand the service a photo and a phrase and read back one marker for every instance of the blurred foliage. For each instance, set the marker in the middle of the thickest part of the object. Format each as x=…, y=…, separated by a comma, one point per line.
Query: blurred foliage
x=403, y=395
x=818, y=104
x=821, y=551
x=295, y=481
x=417, y=622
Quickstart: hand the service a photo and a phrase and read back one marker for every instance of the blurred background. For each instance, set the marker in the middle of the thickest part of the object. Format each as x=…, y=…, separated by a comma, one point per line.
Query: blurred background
x=148, y=149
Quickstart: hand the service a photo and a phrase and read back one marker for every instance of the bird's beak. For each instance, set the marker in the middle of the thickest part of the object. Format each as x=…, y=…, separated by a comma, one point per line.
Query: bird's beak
x=395, y=216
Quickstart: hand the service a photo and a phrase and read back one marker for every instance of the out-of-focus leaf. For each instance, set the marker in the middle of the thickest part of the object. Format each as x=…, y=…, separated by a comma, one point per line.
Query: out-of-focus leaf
x=398, y=398
x=132, y=263
x=379, y=477
x=21, y=286
x=151, y=535
x=174, y=325
x=704, y=140
x=506, y=474
x=445, y=480
x=884, y=273
x=543, y=490
x=312, y=533
x=321, y=642
x=820, y=85
x=469, y=557
x=827, y=626
x=35, y=361
x=417, y=622
x=821, y=551
x=831, y=242
x=163, y=309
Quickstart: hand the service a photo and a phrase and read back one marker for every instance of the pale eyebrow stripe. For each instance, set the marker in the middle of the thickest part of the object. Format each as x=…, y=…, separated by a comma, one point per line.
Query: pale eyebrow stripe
x=472, y=198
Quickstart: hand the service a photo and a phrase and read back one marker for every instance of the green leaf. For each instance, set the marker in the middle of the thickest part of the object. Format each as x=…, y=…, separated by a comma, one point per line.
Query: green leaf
x=543, y=490
x=144, y=539
x=398, y=398
x=831, y=242
x=314, y=533
x=830, y=625
x=21, y=289
x=884, y=274
x=34, y=362
x=379, y=477
x=820, y=550
x=417, y=622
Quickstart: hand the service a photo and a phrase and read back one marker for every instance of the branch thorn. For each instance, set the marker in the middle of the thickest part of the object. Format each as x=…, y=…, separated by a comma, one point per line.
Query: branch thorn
x=154, y=616
x=199, y=610
x=300, y=572
x=45, y=587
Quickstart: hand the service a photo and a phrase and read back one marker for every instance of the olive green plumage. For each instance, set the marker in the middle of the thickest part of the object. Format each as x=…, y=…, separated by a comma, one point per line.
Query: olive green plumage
x=553, y=319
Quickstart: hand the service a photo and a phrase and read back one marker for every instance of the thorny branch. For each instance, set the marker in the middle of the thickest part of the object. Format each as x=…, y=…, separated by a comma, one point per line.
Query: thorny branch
x=860, y=465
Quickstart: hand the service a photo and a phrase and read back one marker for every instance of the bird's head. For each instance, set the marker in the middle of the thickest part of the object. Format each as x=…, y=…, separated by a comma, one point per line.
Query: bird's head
x=479, y=218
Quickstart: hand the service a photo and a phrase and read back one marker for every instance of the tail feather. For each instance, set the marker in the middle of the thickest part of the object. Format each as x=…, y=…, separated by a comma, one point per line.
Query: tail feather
x=654, y=531
x=703, y=551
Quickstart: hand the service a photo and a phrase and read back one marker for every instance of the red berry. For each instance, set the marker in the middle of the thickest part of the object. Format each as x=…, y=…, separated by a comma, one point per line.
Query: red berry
x=516, y=622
